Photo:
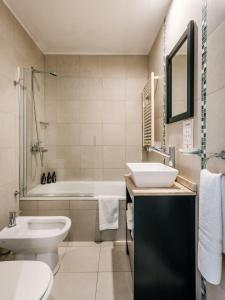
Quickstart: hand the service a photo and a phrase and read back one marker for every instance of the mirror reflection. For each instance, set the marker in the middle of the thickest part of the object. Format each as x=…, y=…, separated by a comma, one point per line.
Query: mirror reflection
x=179, y=81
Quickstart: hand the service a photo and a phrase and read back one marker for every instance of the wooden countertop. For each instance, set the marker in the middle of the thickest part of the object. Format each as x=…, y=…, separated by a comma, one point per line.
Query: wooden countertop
x=177, y=189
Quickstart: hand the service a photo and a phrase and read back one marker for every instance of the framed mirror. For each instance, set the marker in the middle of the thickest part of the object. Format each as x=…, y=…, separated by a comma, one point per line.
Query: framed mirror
x=180, y=78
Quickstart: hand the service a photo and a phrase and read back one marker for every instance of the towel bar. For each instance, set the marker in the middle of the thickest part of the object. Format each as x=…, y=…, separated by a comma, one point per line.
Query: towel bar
x=215, y=155
x=198, y=152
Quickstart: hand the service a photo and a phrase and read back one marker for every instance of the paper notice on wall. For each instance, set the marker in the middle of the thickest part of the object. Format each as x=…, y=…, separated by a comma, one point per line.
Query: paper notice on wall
x=188, y=133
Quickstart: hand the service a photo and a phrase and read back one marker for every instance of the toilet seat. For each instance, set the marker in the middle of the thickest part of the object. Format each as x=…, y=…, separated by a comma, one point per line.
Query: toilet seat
x=25, y=280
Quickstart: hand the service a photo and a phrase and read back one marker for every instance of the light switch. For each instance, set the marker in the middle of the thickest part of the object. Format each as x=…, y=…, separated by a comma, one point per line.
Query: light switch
x=188, y=132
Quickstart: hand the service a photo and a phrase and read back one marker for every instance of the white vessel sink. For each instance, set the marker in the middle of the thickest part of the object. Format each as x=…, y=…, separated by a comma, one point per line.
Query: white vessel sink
x=152, y=174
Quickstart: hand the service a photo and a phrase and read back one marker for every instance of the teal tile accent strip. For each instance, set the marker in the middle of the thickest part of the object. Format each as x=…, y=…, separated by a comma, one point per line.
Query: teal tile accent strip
x=203, y=108
x=203, y=82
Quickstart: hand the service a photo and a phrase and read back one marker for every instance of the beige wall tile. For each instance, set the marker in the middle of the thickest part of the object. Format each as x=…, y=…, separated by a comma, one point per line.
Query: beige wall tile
x=68, y=87
x=28, y=205
x=90, y=88
x=51, y=63
x=136, y=66
x=113, y=89
x=114, y=174
x=91, y=111
x=133, y=153
x=51, y=134
x=113, y=134
x=8, y=130
x=215, y=14
x=7, y=65
x=215, y=61
x=134, y=87
x=83, y=204
x=55, y=212
x=6, y=23
x=67, y=134
x=9, y=165
x=68, y=111
x=113, y=66
x=68, y=64
x=134, y=111
x=215, y=119
x=53, y=205
x=113, y=157
x=114, y=112
x=215, y=292
x=100, y=89
x=27, y=213
x=51, y=87
x=91, y=174
x=51, y=110
x=90, y=66
x=90, y=134
x=68, y=174
x=134, y=135
x=84, y=224
x=8, y=96
x=91, y=157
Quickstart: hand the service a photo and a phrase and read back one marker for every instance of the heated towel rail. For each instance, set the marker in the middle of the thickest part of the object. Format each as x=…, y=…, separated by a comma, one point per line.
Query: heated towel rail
x=148, y=96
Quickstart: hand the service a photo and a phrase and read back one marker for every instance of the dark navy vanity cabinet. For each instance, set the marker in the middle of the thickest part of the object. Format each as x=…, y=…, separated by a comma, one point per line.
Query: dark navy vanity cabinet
x=161, y=247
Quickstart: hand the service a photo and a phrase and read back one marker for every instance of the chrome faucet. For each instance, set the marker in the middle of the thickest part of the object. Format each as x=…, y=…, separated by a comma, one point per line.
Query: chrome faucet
x=12, y=219
x=170, y=153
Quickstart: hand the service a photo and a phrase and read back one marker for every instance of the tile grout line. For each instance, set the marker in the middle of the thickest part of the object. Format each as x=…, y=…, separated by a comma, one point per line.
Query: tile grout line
x=96, y=287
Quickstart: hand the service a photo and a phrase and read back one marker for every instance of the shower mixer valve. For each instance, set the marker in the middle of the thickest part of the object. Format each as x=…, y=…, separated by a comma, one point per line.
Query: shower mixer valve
x=38, y=148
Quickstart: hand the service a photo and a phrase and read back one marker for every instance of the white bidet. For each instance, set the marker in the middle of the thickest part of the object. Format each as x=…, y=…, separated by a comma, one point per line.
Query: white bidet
x=36, y=238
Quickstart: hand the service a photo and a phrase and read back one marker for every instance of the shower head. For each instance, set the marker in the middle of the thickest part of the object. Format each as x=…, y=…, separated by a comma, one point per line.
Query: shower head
x=43, y=72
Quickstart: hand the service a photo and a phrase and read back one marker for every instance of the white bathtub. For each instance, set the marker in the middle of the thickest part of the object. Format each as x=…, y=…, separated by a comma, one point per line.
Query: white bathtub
x=84, y=189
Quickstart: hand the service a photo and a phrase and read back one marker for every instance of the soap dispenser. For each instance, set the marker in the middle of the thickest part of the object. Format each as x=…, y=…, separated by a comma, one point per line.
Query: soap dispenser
x=49, y=178
x=54, y=177
x=43, y=179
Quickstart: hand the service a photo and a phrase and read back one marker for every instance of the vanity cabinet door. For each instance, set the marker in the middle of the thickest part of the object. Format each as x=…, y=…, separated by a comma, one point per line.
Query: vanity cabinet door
x=164, y=248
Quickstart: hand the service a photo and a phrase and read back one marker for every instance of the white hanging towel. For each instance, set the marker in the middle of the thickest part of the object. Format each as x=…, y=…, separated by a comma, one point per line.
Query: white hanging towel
x=210, y=227
x=223, y=210
x=108, y=212
x=130, y=217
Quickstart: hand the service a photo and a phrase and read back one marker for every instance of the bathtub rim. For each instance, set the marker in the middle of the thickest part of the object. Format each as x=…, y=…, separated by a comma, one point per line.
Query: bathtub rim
x=60, y=198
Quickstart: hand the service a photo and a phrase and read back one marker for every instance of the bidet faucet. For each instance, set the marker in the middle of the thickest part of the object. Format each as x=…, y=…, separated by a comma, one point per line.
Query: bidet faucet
x=12, y=219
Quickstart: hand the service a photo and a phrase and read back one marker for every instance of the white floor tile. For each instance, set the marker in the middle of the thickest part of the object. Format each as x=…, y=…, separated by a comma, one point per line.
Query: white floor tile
x=80, y=259
x=114, y=286
x=114, y=259
x=71, y=286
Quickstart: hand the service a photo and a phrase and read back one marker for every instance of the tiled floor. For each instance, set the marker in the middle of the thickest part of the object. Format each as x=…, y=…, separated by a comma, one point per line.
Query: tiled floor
x=91, y=271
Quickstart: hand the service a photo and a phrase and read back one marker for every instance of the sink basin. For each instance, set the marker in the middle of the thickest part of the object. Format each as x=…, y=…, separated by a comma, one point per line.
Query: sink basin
x=152, y=174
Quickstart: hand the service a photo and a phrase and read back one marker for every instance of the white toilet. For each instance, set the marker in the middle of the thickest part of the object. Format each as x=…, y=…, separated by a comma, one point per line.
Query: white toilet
x=25, y=280
x=36, y=238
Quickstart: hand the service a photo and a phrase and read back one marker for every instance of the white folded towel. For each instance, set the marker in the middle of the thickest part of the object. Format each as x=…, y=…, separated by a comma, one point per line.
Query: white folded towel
x=130, y=217
x=108, y=212
x=210, y=227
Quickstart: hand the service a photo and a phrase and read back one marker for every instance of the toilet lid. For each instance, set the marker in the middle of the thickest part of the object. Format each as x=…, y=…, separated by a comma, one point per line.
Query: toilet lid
x=24, y=280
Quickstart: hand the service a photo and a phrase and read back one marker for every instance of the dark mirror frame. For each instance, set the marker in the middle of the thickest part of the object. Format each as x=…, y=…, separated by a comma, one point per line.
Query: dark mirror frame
x=189, y=36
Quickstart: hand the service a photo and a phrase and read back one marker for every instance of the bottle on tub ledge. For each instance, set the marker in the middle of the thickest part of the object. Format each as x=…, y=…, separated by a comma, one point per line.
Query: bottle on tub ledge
x=49, y=178
x=43, y=179
x=54, y=177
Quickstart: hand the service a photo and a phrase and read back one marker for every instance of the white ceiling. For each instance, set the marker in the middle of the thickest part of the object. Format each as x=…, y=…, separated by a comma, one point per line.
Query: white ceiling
x=91, y=26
